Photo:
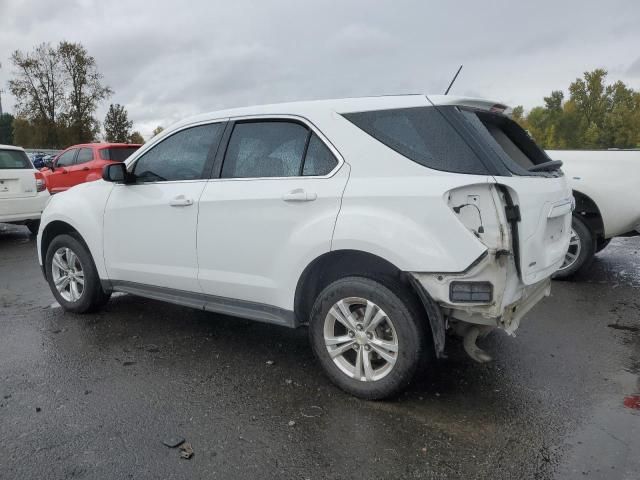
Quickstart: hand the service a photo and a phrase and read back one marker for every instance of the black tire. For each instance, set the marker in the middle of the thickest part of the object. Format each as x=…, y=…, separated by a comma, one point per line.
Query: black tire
x=407, y=317
x=587, y=251
x=602, y=244
x=93, y=296
x=33, y=226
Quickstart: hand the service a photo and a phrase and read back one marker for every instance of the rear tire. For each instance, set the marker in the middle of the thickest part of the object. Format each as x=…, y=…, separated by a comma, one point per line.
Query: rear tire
x=72, y=275
x=581, y=250
x=376, y=353
x=33, y=226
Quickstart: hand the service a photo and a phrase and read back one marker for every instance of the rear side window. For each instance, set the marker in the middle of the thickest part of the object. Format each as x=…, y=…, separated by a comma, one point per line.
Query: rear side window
x=13, y=159
x=319, y=160
x=423, y=135
x=181, y=156
x=119, y=154
x=265, y=149
x=84, y=155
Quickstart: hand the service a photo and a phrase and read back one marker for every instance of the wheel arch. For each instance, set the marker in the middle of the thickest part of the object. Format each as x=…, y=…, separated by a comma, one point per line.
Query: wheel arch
x=337, y=264
x=51, y=231
x=587, y=210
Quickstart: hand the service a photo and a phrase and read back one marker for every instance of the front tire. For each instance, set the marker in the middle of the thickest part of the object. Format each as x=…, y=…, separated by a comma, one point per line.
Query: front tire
x=72, y=275
x=582, y=249
x=33, y=226
x=368, y=338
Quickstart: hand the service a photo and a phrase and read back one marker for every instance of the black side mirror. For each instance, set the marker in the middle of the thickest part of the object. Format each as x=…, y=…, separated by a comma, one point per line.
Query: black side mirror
x=49, y=164
x=115, y=172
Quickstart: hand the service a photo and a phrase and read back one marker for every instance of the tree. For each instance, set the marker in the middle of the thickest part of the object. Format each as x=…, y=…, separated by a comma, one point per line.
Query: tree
x=57, y=90
x=38, y=86
x=6, y=129
x=136, y=137
x=157, y=130
x=117, y=125
x=85, y=90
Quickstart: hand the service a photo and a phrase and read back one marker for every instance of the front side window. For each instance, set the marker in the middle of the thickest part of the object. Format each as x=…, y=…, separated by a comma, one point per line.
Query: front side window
x=182, y=156
x=66, y=158
x=265, y=149
x=84, y=155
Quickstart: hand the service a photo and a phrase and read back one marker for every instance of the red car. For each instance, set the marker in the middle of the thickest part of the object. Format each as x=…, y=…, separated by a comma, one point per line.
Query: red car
x=83, y=163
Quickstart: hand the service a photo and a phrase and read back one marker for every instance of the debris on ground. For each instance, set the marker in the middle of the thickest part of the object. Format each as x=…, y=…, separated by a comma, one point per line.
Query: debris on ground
x=38, y=409
x=288, y=381
x=173, y=442
x=292, y=423
x=186, y=451
x=270, y=362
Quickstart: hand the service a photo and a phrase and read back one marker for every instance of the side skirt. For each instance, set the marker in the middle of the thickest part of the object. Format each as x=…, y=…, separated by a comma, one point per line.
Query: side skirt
x=226, y=306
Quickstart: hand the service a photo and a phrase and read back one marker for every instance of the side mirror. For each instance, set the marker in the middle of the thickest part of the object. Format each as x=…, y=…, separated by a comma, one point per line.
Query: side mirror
x=115, y=172
x=49, y=164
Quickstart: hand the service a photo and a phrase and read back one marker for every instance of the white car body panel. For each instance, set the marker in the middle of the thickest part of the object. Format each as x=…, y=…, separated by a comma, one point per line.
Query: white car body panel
x=611, y=179
x=240, y=240
x=19, y=198
x=148, y=240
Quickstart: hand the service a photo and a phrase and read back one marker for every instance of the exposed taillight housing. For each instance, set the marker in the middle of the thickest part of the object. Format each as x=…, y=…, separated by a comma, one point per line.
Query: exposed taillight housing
x=41, y=183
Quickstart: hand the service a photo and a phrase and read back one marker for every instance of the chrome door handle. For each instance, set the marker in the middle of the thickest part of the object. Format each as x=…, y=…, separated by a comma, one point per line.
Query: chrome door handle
x=180, y=201
x=299, y=195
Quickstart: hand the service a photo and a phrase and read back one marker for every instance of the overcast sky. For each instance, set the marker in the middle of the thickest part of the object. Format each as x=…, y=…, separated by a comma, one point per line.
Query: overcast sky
x=166, y=60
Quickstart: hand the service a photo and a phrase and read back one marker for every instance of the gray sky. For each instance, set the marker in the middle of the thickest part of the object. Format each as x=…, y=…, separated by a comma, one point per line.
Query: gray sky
x=169, y=59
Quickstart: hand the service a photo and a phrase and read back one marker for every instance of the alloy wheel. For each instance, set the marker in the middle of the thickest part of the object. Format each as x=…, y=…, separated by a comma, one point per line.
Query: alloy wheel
x=361, y=339
x=575, y=247
x=67, y=274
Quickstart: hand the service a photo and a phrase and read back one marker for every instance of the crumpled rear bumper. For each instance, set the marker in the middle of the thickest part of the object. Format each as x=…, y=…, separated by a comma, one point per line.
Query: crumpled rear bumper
x=512, y=299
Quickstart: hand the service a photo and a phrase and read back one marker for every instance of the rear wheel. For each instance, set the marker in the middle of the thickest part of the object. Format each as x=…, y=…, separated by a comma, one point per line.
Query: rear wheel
x=369, y=338
x=582, y=248
x=72, y=275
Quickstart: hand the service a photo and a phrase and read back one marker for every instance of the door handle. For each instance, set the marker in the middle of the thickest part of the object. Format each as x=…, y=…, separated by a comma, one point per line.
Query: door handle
x=299, y=195
x=85, y=169
x=180, y=201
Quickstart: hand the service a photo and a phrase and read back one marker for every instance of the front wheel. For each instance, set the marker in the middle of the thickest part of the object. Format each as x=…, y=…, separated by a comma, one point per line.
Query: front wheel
x=72, y=275
x=368, y=338
x=582, y=248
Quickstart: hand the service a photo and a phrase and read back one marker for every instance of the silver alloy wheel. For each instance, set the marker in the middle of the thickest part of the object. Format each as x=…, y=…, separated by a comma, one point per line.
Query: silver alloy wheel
x=361, y=339
x=67, y=273
x=575, y=247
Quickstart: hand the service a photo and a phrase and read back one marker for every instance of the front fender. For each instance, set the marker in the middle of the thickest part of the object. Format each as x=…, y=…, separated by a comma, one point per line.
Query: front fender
x=82, y=208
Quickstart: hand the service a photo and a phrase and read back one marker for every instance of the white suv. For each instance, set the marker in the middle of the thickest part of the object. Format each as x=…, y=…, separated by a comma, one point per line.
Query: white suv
x=378, y=222
x=23, y=193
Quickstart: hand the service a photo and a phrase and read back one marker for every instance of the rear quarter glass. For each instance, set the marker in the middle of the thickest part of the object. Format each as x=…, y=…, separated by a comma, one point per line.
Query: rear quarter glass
x=423, y=135
x=117, y=154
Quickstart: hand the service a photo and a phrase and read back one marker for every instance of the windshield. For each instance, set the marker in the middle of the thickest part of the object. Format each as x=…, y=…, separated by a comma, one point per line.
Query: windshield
x=118, y=154
x=14, y=159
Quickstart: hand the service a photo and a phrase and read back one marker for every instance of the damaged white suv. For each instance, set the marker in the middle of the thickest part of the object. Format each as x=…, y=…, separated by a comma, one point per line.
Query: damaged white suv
x=378, y=222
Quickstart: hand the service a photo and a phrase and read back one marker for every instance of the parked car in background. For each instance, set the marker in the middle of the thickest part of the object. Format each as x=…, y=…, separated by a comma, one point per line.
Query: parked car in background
x=606, y=188
x=84, y=163
x=23, y=194
x=379, y=222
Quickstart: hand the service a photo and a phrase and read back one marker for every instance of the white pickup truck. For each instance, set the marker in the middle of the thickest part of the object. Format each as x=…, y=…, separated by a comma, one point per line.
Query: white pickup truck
x=606, y=188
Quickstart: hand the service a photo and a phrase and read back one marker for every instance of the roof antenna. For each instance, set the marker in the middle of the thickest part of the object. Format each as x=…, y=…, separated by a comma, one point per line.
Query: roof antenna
x=452, y=81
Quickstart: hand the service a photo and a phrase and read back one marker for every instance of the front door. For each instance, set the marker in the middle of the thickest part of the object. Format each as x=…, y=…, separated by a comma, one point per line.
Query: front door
x=150, y=225
x=59, y=179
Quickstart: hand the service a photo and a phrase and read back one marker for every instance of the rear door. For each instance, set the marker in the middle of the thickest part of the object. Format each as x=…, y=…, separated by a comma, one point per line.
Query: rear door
x=270, y=213
x=80, y=171
x=17, y=179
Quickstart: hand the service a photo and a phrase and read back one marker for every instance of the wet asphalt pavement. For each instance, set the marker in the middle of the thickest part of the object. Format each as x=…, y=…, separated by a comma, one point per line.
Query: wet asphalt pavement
x=94, y=396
